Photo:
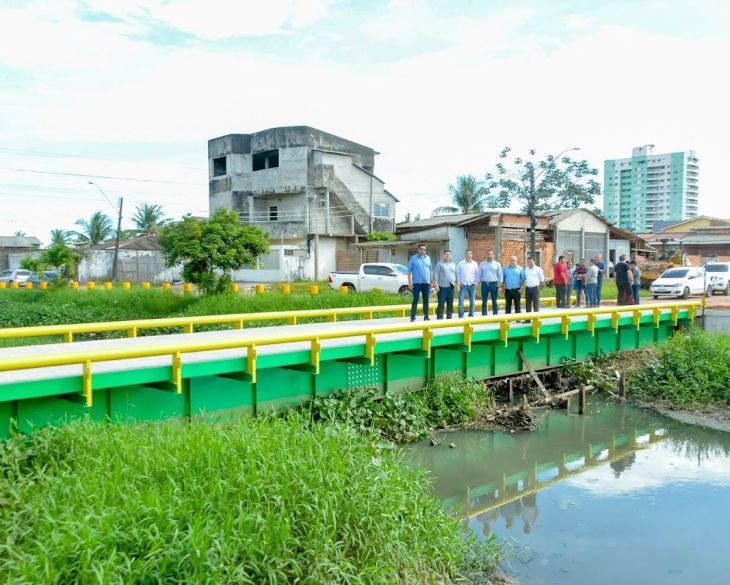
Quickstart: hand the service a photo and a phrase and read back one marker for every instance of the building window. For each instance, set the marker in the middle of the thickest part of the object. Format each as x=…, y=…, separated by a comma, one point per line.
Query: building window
x=265, y=160
x=274, y=213
x=288, y=252
x=219, y=166
x=381, y=210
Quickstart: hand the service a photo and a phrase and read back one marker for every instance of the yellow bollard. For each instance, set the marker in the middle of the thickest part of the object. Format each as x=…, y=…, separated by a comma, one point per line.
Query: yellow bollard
x=91, y=284
x=108, y=285
x=187, y=287
x=286, y=289
x=28, y=284
x=166, y=286
x=74, y=284
x=234, y=287
x=145, y=285
x=126, y=285
x=344, y=289
x=3, y=284
x=14, y=284
x=313, y=289
x=260, y=289
x=43, y=284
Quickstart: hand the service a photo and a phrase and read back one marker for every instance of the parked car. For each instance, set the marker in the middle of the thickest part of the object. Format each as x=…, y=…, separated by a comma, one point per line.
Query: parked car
x=48, y=275
x=386, y=277
x=681, y=282
x=19, y=275
x=718, y=275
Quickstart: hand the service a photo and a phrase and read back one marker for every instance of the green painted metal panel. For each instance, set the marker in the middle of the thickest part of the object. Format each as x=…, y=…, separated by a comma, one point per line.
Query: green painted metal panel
x=406, y=371
x=142, y=403
x=35, y=413
x=606, y=341
x=449, y=361
x=627, y=337
x=480, y=361
x=506, y=359
x=210, y=394
x=282, y=387
x=647, y=335
x=536, y=353
x=332, y=376
x=561, y=349
x=7, y=415
x=585, y=344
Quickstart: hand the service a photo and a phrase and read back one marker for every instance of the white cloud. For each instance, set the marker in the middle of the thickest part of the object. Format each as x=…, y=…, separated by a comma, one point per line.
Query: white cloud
x=579, y=21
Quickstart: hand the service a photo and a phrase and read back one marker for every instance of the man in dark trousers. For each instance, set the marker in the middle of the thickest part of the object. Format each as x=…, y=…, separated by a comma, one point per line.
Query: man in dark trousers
x=514, y=277
x=419, y=280
x=624, y=280
x=561, y=280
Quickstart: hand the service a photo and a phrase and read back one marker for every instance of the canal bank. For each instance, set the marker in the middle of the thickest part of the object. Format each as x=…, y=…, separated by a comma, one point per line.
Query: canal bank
x=619, y=494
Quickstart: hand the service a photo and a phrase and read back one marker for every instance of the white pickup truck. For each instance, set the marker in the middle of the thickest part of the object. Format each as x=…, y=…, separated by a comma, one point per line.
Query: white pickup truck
x=386, y=277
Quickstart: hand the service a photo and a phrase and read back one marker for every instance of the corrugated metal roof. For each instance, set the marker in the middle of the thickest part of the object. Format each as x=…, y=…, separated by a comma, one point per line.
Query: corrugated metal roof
x=140, y=243
x=19, y=242
x=437, y=220
x=396, y=243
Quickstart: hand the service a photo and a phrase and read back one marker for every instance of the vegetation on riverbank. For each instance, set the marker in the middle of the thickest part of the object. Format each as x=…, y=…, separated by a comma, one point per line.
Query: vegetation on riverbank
x=267, y=500
x=445, y=402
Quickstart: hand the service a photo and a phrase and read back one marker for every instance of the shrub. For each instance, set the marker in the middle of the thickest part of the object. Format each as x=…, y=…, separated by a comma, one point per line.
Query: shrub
x=689, y=371
x=270, y=500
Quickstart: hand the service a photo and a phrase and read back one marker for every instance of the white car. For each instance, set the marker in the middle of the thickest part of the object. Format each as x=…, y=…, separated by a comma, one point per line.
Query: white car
x=681, y=282
x=718, y=275
x=9, y=276
x=384, y=276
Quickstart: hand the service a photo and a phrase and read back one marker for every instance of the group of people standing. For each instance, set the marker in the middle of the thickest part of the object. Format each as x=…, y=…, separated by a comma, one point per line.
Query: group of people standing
x=586, y=279
x=628, y=281
x=448, y=278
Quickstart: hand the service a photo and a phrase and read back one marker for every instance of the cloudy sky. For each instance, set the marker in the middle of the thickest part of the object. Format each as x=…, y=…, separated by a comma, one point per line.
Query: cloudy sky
x=127, y=93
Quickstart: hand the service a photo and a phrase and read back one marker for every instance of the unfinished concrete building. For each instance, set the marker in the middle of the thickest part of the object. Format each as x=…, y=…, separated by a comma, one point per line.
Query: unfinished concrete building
x=315, y=193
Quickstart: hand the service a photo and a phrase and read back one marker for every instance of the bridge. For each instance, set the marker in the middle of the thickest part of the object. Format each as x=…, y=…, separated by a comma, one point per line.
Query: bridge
x=224, y=373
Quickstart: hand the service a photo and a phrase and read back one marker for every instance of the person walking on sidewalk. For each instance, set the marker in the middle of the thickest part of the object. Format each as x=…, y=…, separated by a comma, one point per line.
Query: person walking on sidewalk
x=592, y=284
x=444, y=282
x=467, y=273
x=514, y=276
x=561, y=280
x=534, y=279
x=419, y=280
x=490, y=276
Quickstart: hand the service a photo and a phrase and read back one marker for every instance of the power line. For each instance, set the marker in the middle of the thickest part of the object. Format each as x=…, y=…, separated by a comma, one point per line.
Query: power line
x=98, y=176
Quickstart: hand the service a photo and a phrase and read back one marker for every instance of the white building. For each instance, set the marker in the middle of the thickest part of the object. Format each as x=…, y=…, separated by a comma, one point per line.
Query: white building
x=315, y=193
x=649, y=188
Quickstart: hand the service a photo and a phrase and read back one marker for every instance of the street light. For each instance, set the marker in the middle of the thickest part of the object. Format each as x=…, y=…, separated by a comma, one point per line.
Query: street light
x=533, y=197
x=118, y=210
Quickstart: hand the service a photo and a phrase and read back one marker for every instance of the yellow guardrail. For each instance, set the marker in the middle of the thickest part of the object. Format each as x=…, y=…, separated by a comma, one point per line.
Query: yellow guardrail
x=175, y=350
x=237, y=320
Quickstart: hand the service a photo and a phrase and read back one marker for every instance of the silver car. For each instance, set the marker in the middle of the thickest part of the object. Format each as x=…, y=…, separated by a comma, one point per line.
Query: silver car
x=19, y=275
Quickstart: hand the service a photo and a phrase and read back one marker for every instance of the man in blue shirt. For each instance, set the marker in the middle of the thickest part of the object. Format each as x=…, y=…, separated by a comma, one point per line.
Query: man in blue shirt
x=419, y=280
x=601, y=273
x=513, y=276
x=490, y=275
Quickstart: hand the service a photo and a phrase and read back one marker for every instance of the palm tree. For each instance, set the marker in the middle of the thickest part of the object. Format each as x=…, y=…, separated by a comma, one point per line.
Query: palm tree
x=58, y=256
x=60, y=237
x=467, y=195
x=98, y=229
x=149, y=219
x=19, y=234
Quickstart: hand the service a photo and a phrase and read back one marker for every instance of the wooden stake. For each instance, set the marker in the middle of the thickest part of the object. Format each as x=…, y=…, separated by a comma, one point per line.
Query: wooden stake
x=582, y=399
x=623, y=385
x=534, y=375
x=510, y=389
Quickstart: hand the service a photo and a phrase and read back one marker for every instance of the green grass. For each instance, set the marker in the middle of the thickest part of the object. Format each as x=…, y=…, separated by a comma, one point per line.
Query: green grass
x=691, y=370
x=267, y=500
x=446, y=401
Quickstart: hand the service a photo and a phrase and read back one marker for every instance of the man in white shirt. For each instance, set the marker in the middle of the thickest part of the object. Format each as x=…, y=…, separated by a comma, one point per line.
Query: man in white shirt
x=467, y=273
x=534, y=279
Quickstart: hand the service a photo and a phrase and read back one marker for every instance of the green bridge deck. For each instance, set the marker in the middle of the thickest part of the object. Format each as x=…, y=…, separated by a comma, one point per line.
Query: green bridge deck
x=219, y=383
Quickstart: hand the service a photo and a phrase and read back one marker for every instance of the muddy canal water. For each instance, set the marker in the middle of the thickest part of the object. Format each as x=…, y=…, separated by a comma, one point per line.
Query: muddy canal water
x=620, y=495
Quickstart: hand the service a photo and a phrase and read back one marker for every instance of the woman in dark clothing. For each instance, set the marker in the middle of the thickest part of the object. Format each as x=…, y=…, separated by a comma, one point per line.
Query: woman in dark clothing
x=624, y=280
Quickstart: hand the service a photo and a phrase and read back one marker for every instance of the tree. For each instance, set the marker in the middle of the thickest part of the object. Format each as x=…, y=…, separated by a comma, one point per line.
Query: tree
x=381, y=237
x=97, y=230
x=19, y=234
x=61, y=237
x=555, y=182
x=148, y=219
x=210, y=249
x=467, y=196
x=59, y=256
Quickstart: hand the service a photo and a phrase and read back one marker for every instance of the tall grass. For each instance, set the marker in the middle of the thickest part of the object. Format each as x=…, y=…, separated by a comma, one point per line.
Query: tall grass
x=256, y=501
x=689, y=371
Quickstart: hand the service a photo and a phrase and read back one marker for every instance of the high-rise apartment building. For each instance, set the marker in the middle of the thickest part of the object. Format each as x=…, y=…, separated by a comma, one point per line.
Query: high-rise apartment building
x=648, y=187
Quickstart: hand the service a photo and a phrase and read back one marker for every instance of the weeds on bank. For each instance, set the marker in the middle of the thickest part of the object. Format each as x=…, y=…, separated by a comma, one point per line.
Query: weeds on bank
x=267, y=500
x=446, y=401
x=691, y=370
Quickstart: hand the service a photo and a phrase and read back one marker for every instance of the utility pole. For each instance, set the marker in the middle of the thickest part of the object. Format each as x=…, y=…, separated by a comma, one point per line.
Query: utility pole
x=533, y=212
x=116, y=244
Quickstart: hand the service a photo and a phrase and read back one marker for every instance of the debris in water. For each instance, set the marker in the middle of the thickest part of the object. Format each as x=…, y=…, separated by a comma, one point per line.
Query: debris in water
x=452, y=445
